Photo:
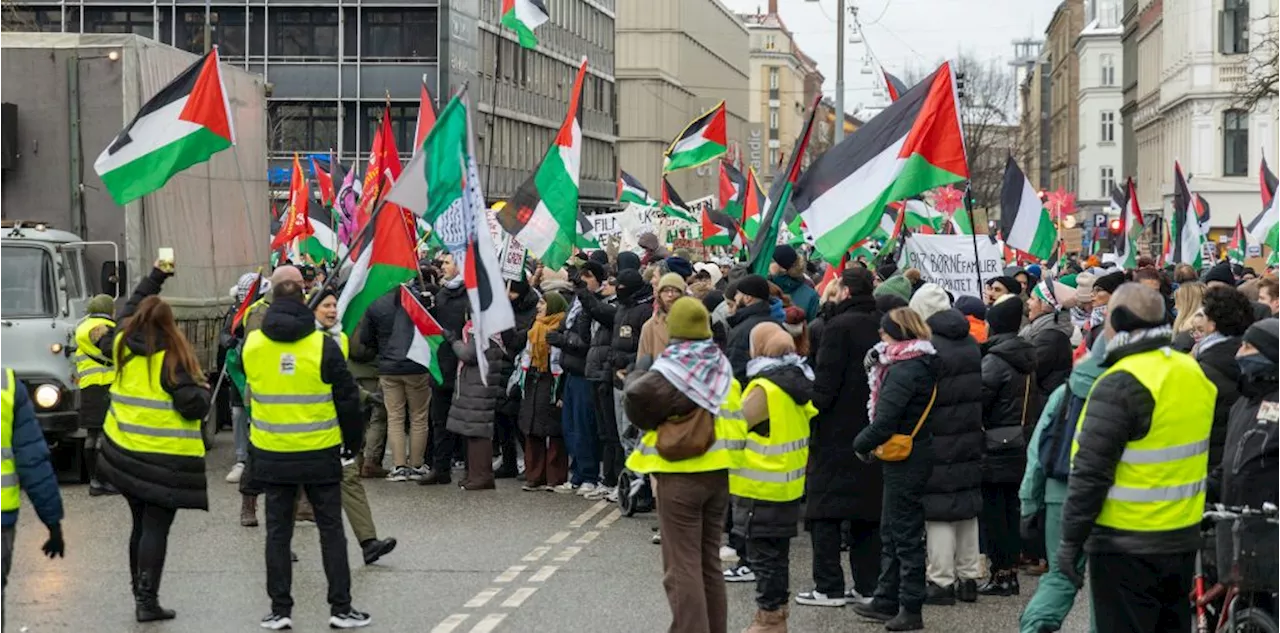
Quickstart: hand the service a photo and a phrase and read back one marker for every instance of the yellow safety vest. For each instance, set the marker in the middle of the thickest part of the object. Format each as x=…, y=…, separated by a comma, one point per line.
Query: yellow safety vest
x=10, y=499
x=292, y=408
x=1160, y=480
x=725, y=453
x=141, y=416
x=93, y=368
x=773, y=465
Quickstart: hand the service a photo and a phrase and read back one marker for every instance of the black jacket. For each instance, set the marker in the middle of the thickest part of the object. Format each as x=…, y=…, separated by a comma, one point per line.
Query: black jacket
x=472, y=412
x=288, y=321
x=602, y=311
x=387, y=333
x=1118, y=411
x=574, y=341
x=1008, y=400
x=632, y=313
x=1053, y=362
x=450, y=307
x=525, y=307
x=954, y=490
x=740, y=324
x=540, y=410
x=816, y=327
x=838, y=485
x=1219, y=365
x=1247, y=475
x=904, y=396
x=766, y=519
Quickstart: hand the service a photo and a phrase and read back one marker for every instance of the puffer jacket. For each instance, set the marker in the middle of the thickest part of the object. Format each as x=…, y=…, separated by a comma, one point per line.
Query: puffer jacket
x=954, y=490
x=574, y=341
x=602, y=311
x=767, y=519
x=387, y=332
x=1219, y=365
x=474, y=403
x=540, y=410
x=31, y=462
x=1247, y=475
x=1050, y=334
x=802, y=294
x=1008, y=400
x=628, y=321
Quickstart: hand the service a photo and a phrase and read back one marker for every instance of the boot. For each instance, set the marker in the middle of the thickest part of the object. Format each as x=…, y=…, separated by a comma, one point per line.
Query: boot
x=996, y=585
x=370, y=470
x=436, y=478
x=1011, y=581
x=99, y=488
x=303, y=511
x=940, y=596
x=248, y=510
x=147, y=605
x=967, y=591
x=768, y=622
x=876, y=610
x=905, y=621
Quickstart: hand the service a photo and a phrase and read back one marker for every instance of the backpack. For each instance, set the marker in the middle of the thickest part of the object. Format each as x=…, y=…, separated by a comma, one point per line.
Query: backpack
x=1057, y=436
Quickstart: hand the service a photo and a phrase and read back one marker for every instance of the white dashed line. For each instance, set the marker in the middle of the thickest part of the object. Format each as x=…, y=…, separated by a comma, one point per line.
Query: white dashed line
x=482, y=598
x=511, y=574
x=543, y=574
x=537, y=553
x=450, y=623
x=558, y=536
x=567, y=554
x=588, y=537
x=519, y=597
x=609, y=519
x=590, y=512
x=489, y=623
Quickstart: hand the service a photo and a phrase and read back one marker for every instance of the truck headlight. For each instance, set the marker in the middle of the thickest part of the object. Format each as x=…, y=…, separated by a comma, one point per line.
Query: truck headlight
x=56, y=348
x=47, y=396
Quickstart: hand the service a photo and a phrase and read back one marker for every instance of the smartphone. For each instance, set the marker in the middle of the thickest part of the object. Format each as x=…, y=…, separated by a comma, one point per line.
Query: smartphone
x=165, y=256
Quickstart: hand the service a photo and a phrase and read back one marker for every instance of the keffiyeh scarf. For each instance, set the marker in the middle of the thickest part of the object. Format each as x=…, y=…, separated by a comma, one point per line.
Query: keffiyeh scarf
x=764, y=363
x=884, y=354
x=699, y=370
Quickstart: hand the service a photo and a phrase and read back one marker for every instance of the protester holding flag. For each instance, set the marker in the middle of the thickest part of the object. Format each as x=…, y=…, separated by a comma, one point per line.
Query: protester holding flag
x=405, y=385
x=450, y=311
x=546, y=460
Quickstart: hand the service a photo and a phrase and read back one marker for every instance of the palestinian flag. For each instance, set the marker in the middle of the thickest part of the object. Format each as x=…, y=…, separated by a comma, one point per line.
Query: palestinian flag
x=427, y=334
x=754, y=204
x=436, y=167
x=733, y=186
x=702, y=141
x=1202, y=209
x=780, y=192
x=961, y=222
x=1266, y=183
x=386, y=261
x=586, y=236
x=1187, y=236
x=922, y=217
x=1264, y=228
x=720, y=229
x=523, y=16
x=184, y=124
x=1239, y=243
x=426, y=116
x=673, y=205
x=1023, y=219
x=543, y=214
x=914, y=145
x=491, y=311
x=322, y=245
x=296, y=225
x=894, y=85
x=1131, y=224
x=631, y=191
x=249, y=298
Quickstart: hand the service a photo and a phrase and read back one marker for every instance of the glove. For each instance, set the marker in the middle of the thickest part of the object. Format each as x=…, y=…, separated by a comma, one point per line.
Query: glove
x=865, y=458
x=555, y=339
x=54, y=547
x=1032, y=527
x=1068, y=556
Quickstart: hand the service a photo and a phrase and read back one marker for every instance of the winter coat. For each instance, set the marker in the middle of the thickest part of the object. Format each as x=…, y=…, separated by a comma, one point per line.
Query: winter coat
x=1219, y=366
x=838, y=485
x=540, y=410
x=628, y=322
x=766, y=519
x=472, y=412
x=802, y=294
x=954, y=490
x=1008, y=400
x=1247, y=475
x=388, y=333
x=904, y=396
x=1037, y=488
x=450, y=308
x=1050, y=334
x=574, y=340
x=815, y=330
x=740, y=324
x=288, y=321
x=525, y=308
x=31, y=461
x=602, y=311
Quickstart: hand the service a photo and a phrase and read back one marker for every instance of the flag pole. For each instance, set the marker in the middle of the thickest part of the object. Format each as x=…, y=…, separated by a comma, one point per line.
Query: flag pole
x=973, y=233
x=493, y=113
x=244, y=192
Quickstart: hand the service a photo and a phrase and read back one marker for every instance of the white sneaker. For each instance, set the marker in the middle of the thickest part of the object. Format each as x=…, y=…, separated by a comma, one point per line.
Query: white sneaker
x=601, y=492
x=739, y=573
x=728, y=554
x=350, y=619
x=565, y=488
x=236, y=473
x=399, y=473
x=418, y=474
x=586, y=489
x=816, y=598
x=612, y=497
x=274, y=622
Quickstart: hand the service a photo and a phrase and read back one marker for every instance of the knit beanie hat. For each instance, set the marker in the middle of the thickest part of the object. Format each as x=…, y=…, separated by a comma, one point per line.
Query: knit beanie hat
x=1010, y=284
x=1005, y=317
x=680, y=266
x=688, y=320
x=1221, y=271
x=629, y=281
x=599, y=257
x=555, y=303
x=1084, y=287
x=894, y=286
x=1058, y=296
x=785, y=256
x=969, y=305
x=628, y=261
x=929, y=300
x=671, y=280
x=1034, y=272
x=1109, y=282
x=101, y=304
x=768, y=339
x=1265, y=336
x=886, y=270
x=754, y=286
x=596, y=270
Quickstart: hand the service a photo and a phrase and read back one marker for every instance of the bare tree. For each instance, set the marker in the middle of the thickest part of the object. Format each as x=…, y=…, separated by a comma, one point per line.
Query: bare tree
x=1262, y=69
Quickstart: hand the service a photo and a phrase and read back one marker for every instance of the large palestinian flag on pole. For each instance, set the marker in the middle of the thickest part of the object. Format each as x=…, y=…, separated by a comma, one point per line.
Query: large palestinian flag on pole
x=732, y=187
x=523, y=16
x=388, y=260
x=719, y=229
x=1024, y=221
x=184, y=124
x=754, y=204
x=1125, y=204
x=702, y=141
x=1239, y=243
x=914, y=145
x=1187, y=236
x=780, y=192
x=543, y=213
x=1265, y=227
x=673, y=205
x=631, y=191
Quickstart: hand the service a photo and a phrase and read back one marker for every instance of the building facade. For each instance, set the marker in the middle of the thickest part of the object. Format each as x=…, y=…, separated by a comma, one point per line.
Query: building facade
x=1064, y=80
x=1098, y=50
x=675, y=60
x=1035, y=93
x=332, y=66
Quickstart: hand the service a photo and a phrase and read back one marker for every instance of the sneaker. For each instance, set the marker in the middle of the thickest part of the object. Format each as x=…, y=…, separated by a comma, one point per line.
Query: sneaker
x=399, y=473
x=276, y=622
x=600, y=492
x=349, y=619
x=728, y=554
x=586, y=489
x=612, y=497
x=657, y=538
x=739, y=573
x=418, y=474
x=535, y=487
x=856, y=598
x=816, y=598
x=236, y=473
x=565, y=488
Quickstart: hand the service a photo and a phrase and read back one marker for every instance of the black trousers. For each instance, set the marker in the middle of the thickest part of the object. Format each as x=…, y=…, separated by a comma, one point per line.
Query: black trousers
x=326, y=500
x=1138, y=593
x=902, y=549
x=507, y=436
x=864, y=555
x=736, y=543
x=1001, y=511
x=771, y=563
x=443, y=442
x=611, y=455
x=149, y=538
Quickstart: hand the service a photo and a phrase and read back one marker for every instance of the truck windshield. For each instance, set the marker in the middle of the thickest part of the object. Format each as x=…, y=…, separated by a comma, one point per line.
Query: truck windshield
x=27, y=283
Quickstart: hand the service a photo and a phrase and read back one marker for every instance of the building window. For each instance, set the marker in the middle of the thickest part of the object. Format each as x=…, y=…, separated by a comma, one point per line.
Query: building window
x=404, y=120
x=773, y=78
x=300, y=126
x=31, y=20
x=400, y=33
x=1108, y=127
x=309, y=33
x=1235, y=143
x=139, y=21
x=773, y=159
x=1233, y=27
x=773, y=119
x=230, y=29
x=1108, y=181
x=1108, y=70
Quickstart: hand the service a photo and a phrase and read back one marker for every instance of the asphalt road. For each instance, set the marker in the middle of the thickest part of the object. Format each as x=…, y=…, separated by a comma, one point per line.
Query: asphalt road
x=479, y=562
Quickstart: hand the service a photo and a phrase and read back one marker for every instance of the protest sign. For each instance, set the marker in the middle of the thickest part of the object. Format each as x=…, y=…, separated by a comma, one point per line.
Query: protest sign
x=947, y=260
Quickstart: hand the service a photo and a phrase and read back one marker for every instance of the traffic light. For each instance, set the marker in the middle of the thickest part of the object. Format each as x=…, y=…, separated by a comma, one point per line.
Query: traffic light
x=1114, y=226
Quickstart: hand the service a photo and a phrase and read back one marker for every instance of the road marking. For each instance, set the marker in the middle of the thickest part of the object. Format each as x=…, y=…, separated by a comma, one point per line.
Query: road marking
x=482, y=598
x=450, y=623
x=568, y=553
x=609, y=519
x=511, y=574
x=543, y=574
x=590, y=512
x=489, y=623
x=588, y=537
x=519, y=597
x=537, y=553
x=558, y=536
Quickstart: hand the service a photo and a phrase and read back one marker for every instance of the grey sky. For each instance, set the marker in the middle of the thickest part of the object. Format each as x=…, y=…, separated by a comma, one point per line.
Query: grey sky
x=902, y=33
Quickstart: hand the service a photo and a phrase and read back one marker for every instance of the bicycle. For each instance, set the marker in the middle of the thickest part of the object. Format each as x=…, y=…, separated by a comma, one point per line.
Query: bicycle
x=1248, y=595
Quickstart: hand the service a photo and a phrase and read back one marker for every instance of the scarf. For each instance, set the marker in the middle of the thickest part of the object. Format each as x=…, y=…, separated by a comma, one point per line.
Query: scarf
x=884, y=354
x=699, y=370
x=334, y=332
x=1209, y=340
x=1097, y=317
x=538, y=354
x=1044, y=322
x=574, y=311
x=455, y=283
x=761, y=364
x=1133, y=336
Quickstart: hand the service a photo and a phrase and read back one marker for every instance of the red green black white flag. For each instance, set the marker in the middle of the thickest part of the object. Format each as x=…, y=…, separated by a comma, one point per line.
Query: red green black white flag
x=702, y=141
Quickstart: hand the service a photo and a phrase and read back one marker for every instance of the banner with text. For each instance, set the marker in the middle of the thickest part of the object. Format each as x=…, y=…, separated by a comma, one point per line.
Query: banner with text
x=947, y=260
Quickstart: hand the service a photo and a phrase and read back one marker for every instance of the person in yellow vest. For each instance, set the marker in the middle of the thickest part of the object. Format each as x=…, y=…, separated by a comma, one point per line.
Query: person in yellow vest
x=94, y=374
x=766, y=490
x=304, y=409
x=690, y=409
x=1135, y=497
x=24, y=465
x=153, y=450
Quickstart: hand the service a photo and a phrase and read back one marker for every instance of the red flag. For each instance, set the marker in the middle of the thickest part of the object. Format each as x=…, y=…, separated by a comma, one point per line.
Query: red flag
x=248, y=300
x=297, y=223
x=384, y=168
x=426, y=116
x=325, y=183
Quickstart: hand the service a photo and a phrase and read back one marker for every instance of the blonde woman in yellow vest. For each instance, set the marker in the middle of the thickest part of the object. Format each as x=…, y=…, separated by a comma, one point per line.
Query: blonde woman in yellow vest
x=24, y=466
x=690, y=408
x=766, y=489
x=94, y=375
x=153, y=451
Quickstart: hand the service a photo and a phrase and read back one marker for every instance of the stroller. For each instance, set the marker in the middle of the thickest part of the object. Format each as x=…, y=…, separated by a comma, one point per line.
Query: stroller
x=635, y=493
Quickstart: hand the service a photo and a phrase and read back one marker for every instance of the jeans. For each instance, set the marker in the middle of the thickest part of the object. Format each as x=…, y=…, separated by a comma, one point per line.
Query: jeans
x=443, y=441
x=953, y=551
x=414, y=392
x=864, y=556
x=1001, y=510
x=326, y=499
x=240, y=430
x=691, y=509
x=578, y=420
x=611, y=455
x=1055, y=594
x=1132, y=592
x=771, y=563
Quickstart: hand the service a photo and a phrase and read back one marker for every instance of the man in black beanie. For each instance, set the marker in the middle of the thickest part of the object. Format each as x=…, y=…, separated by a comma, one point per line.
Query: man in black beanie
x=752, y=309
x=1250, y=477
x=1220, y=275
x=998, y=287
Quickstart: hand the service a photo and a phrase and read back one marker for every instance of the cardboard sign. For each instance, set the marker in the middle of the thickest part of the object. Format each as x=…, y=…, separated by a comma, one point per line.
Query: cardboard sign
x=947, y=260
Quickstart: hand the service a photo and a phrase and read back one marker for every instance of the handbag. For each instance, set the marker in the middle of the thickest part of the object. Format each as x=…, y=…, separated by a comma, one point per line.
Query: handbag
x=899, y=445
x=1005, y=439
x=686, y=437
